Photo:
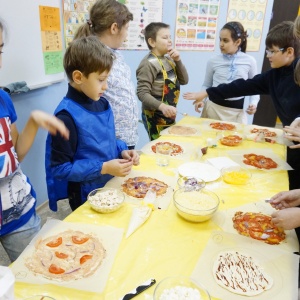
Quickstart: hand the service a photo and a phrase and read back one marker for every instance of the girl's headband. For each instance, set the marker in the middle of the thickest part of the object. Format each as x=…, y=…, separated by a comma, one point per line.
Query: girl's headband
x=235, y=28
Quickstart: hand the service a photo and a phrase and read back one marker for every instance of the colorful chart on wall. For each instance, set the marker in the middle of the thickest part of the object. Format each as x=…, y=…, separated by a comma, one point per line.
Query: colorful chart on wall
x=76, y=13
x=251, y=14
x=196, y=24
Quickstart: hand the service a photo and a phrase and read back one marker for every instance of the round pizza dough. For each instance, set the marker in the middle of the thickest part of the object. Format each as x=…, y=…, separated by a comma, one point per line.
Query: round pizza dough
x=182, y=130
x=69, y=255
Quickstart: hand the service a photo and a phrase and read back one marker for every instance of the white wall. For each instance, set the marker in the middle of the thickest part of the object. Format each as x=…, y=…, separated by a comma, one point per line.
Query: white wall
x=47, y=98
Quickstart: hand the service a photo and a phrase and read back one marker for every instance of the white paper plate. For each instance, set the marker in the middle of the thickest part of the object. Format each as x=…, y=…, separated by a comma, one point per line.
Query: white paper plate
x=199, y=170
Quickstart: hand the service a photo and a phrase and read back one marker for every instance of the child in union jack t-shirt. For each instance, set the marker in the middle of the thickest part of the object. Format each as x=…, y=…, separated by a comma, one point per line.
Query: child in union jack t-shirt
x=18, y=220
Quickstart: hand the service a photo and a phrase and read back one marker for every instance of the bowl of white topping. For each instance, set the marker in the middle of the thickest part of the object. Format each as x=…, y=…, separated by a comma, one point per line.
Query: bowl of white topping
x=106, y=200
x=180, y=288
x=195, y=205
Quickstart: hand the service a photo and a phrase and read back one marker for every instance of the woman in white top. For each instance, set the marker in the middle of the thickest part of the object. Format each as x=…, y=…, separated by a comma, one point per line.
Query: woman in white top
x=233, y=63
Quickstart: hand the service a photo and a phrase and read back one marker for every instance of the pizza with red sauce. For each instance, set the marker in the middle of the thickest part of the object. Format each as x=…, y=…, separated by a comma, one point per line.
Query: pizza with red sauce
x=222, y=126
x=259, y=161
x=175, y=149
x=258, y=226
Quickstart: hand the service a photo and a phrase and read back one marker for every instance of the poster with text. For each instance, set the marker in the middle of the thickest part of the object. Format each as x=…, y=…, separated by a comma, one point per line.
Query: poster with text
x=76, y=13
x=251, y=14
x=196, y=24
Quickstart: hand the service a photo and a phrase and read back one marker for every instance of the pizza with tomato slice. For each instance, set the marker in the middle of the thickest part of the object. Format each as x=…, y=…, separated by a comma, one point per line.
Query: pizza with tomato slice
x=258, y=226
x=175, y=149
x=222, y=126
x=266, y=132
x=138, y=187
x=259, y=161
x=69, y=255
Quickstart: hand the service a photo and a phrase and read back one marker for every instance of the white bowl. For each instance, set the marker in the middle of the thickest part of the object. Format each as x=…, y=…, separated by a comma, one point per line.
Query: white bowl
x=195, y=206
x=180, y=288
x=106, y=200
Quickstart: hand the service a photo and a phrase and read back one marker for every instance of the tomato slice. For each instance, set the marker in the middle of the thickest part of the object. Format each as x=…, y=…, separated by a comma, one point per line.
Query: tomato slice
x=79, y=240
x=61, y=255
x=55, y=243
x=84, y=258
x=54, y=269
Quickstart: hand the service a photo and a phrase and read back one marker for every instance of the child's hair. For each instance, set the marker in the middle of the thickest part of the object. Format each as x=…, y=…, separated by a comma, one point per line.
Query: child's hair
x=87, y=55
x=297, y=27
x=237, y=32
x=282, y=36
x=151, y=31
x=103, y=14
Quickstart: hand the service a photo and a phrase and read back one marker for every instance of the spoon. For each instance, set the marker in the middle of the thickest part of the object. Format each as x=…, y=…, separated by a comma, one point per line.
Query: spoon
x=184, y=114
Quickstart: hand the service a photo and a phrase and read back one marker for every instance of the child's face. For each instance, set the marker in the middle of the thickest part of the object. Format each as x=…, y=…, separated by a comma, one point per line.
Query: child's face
x=227, y=45
x=121, y=37
x=95, y=85
x=163, y=43
x=279, y=57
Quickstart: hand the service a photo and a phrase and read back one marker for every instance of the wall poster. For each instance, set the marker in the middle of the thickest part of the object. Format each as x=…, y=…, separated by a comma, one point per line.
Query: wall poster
x=251, y=14
x=196, y=24
x=76, y=12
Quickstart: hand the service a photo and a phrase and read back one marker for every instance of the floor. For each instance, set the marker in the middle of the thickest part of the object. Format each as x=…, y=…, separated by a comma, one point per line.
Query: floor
x=44, y=212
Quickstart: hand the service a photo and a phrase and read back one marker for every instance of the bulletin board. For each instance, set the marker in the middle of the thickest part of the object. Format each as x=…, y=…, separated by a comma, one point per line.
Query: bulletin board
x=23, y=58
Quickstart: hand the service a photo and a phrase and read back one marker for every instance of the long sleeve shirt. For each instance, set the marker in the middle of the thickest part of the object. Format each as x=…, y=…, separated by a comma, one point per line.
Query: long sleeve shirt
x=151, y=81
x=227, y=68
x=278, y=83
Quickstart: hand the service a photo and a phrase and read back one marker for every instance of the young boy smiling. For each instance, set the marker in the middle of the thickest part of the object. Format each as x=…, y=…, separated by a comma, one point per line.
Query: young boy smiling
x=159, y=77
x=92, y=155
x=282, y=51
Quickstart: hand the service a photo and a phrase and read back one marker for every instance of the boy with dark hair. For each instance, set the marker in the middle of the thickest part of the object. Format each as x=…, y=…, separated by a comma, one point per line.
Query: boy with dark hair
x=92, y=155
x=159, y=76
x=282, y=51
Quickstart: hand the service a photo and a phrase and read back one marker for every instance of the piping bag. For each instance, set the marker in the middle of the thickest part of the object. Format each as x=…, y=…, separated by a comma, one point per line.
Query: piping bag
x=141, y=213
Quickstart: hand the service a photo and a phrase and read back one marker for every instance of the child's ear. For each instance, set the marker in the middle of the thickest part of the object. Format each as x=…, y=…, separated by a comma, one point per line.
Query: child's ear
x=151, y=42
x=114, y=29
x=290, y=51
x=77, y=76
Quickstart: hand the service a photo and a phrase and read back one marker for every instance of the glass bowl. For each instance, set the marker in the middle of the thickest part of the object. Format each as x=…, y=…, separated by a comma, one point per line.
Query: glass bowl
x=106, y=200
x=191, y=182
x=179, y=288
x=195, y=205
x=39, y=297
x=236, y=175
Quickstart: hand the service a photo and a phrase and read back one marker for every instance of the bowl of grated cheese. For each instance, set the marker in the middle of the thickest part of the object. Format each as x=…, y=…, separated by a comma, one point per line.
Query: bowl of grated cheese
x=180, y=288
x=106, y=200
x=195, y=205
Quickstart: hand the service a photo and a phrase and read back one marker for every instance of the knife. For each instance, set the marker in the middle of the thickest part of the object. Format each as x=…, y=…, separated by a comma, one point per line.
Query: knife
x=145, y=285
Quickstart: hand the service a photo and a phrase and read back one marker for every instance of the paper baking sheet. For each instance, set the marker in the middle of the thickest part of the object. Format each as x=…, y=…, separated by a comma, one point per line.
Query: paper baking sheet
x=166, y=131
x=162, y=201
x=222, y=162
x=109, y=236
x=189, y=149
x=281, y=265
x=279, y=139
x=237, y=156
x=203, y=171
x=224, y=220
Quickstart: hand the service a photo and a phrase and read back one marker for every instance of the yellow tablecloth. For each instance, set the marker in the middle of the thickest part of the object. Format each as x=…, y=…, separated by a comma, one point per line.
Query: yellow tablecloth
x=166, y=244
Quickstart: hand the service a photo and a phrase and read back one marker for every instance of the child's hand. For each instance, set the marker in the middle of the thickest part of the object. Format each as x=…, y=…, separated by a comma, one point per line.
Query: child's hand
x=288, y=218
x=50, y=123
x=198, y=106
x=198, y=97
x=293, y=134
x=286, y=199
x=131, y=155
x=169, y=111
x=117, y=167
x=251, y=110
x=174, y=54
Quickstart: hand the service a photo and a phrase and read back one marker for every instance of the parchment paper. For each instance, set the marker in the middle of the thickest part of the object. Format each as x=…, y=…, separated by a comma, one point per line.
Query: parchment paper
x=281, y=265
x=162, y=201
x=109, y=236
x=237, y=156
x=224, y=220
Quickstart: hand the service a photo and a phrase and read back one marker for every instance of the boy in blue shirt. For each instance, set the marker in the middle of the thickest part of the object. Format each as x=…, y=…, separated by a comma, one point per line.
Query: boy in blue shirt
x=92, y=155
